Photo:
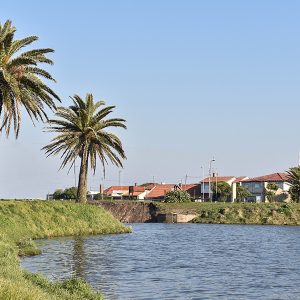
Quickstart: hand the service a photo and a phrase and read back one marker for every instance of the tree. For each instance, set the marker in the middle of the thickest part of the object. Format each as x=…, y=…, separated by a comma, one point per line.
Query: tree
x=177, y=196
x=294, y=181
x=82, y=134
x=70, y=193
x=58, y=194
x=21, y=82
x=271, y=191
x=221, y=191
x=241, y=193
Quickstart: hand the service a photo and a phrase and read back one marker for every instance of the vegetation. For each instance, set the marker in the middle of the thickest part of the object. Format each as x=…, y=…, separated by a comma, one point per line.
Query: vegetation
x=82, y=133
x=67, y=194
x=22, y=221
x=241, y=193
x=221, y=191
x=271, y=191
x=294, y=180
x=20, y=80
x=177, y=196
x=236, y=213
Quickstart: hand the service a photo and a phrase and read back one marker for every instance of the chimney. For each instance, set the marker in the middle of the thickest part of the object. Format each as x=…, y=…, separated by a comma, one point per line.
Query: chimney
x=135, y=184
x=101, y=189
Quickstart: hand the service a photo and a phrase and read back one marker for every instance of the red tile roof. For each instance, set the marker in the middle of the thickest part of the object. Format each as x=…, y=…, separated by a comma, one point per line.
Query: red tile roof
x=139, y=189
x=270, y=177
x=116, y=188
x=189, y=186
x=218, y=179
x=160, y=190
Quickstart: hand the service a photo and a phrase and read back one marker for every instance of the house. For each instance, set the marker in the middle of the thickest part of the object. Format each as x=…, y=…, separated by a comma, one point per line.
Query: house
x=136, y=192
x=206, y=182
x=91, y=195
x=159, y=191
x=257, y=186
x=236, y=182
x=194, y=189
x=116, y=191
x=128, y=192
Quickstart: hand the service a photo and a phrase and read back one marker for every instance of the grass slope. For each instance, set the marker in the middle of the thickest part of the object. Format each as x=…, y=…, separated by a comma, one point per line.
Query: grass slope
x=237, y=213
x=22, y=221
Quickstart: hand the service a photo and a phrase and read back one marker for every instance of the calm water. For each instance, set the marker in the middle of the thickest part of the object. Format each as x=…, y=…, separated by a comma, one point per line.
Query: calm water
x=173, y=261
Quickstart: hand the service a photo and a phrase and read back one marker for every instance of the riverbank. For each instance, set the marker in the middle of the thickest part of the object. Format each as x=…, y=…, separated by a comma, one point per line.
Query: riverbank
x=217, y=213
x=238, y=213
x=22, y=221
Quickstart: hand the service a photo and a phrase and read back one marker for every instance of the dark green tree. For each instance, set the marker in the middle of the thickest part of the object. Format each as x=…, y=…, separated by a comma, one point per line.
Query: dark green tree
x=82, y=134
x=241, y=193
x=221, y=191
x=70, y=193
x=270, y=191
x=21, y=83
x=58, y=194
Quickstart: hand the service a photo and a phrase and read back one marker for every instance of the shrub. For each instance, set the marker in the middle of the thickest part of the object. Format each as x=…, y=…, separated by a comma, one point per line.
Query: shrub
x=177, y=196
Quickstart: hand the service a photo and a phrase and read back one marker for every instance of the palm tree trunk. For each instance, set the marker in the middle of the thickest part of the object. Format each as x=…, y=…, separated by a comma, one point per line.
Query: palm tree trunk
x=82, y=182
x=1, y=102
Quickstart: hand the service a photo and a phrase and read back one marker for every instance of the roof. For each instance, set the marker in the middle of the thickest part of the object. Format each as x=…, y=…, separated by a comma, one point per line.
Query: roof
x=140, y=189
x=160, y=190
x=270, y=177
x=186, y=187
x=116, y=188
x=241, y=178
x=218, y=179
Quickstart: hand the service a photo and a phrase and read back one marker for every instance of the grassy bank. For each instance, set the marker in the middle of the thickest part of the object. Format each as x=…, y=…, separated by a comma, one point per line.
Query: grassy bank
x=237, y=213
x=22, y=221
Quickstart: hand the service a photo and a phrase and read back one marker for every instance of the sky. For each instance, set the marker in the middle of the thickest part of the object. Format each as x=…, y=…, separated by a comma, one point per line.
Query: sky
x=194, y=80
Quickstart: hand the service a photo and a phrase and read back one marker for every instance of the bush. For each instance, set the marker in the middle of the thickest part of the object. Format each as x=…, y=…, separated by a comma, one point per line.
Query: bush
x=177, y=196
x=67, y=194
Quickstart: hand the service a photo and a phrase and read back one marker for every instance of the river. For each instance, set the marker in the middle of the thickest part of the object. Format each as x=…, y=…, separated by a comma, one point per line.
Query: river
x=180, y=261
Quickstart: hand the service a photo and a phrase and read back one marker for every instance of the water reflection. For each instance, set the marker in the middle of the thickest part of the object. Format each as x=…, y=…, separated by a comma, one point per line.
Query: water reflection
x=172, y=261
x=79, y=258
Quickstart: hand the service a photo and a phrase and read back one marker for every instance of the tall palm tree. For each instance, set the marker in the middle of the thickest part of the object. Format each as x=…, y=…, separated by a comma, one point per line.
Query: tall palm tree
x=21, y=80
x=294, y=180
x=82, y=133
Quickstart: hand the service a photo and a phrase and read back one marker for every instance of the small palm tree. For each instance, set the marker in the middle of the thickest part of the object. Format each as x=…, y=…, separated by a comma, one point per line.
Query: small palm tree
x=294, y=180
x=82, y=133
x=20, y=80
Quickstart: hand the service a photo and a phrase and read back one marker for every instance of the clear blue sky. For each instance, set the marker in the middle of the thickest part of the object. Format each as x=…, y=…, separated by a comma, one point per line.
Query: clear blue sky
x=193, y=79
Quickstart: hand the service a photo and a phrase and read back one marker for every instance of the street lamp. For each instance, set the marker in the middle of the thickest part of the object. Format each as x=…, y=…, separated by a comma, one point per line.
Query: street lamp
x=202, y=185
x=209, y=177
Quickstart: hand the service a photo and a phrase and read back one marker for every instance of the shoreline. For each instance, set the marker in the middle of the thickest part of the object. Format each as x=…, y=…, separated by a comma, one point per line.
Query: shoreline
x=277, y=213
x=22, y=222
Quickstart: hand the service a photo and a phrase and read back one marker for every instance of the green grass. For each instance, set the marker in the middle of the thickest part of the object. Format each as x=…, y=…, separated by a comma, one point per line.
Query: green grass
x=23, y=221
x=237, y=213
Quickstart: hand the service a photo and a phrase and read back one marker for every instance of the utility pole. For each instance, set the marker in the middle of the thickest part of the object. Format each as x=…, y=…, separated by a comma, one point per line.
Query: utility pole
x=202, y=184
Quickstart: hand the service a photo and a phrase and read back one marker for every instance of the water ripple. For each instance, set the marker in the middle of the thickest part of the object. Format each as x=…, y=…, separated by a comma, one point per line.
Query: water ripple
x=173, y=261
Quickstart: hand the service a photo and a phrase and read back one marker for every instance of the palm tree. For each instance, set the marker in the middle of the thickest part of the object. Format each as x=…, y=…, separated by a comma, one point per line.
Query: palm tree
x=294, y=180
x=20, y=80
x=82, y=133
